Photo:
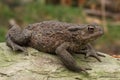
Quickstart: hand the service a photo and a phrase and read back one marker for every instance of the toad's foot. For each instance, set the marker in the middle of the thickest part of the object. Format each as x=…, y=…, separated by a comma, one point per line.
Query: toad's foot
x=14, y=46
x=90, y=51
x=94, y=54
x=19, y=48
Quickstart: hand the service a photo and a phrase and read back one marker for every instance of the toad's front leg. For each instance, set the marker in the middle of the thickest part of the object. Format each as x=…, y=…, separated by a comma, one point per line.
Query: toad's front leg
x=67, y=58
x=90, y=51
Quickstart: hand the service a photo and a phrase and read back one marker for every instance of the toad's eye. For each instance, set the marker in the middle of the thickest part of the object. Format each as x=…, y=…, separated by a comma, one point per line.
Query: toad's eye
x=91, y=29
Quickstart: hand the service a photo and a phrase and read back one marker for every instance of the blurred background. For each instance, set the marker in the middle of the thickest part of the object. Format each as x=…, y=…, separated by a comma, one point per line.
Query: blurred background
x=104, y=12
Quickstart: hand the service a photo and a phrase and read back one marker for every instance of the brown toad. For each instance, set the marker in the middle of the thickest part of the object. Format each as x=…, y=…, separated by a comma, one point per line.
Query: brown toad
x=57, y=37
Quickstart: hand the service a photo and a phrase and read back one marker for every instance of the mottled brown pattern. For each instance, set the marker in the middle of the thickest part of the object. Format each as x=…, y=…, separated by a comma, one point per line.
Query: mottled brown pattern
x=56, y=37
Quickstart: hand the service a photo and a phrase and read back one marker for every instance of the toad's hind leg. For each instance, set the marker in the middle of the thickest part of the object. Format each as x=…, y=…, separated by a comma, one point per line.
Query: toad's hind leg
x=17, y=38
x=67, y=58
x=14, y=46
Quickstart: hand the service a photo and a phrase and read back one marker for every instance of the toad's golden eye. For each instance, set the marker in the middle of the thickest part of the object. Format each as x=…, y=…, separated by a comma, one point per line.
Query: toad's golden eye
x=91, y=29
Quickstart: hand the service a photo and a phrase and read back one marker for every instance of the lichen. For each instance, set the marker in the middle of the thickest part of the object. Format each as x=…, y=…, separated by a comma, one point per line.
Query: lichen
x=43, y=66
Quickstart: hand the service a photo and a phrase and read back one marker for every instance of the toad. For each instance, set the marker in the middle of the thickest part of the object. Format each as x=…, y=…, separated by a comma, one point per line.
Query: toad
x=57, y=37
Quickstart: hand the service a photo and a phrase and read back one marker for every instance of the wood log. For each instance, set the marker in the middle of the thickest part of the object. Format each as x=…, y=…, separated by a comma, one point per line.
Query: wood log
x=99, y=14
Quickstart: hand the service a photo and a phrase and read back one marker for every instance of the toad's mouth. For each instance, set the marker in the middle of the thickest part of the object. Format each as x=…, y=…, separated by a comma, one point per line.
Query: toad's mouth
x=94, y=35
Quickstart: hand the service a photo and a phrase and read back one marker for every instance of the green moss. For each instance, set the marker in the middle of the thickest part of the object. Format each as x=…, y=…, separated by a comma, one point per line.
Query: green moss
x=2, y=34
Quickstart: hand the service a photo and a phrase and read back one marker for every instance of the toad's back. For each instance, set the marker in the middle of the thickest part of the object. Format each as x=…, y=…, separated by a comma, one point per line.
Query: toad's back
x=48, y=35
